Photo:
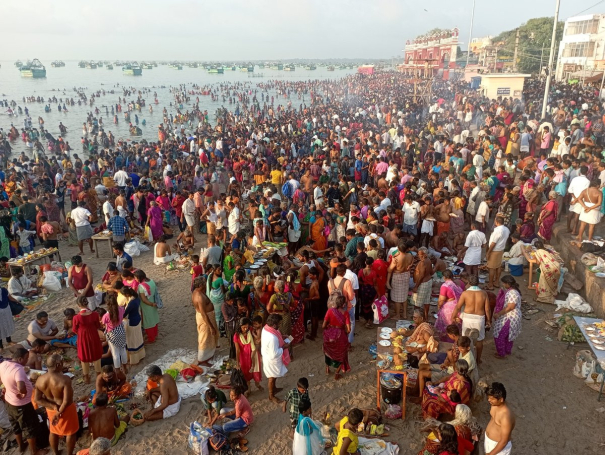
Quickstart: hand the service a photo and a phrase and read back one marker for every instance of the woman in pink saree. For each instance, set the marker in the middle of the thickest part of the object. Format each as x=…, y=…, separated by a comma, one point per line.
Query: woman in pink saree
x=548, y=216
x=155, y=219
x=448, y=299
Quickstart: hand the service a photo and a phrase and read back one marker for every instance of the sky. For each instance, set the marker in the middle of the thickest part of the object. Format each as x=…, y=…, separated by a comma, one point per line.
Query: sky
x=240, y=30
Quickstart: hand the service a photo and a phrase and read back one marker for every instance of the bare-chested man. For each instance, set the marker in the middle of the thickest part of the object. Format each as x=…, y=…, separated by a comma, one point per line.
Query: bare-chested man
x=500, y=427
x=477, y=312
x=120, y=201
x=103, y=421
x=591, y=200
x=164, y=398
x=423, y=281
x=427, y=215
x=111, y=381
x=207, y=330
x=442, y=214
x=398, y=279
x=441, y=244
x=55, y=393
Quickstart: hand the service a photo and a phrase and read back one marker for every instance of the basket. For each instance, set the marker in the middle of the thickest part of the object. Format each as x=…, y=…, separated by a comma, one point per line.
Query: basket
x=134, y=421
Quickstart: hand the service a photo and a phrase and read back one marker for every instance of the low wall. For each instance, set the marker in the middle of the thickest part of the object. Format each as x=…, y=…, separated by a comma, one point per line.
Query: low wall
x=594, y=287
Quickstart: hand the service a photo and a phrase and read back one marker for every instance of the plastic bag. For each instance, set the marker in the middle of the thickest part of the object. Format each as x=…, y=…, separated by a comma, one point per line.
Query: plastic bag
x=52, y=281
x=148, y=235
x=380, y=307
x=581, y=358
x=393, y=412
x=313, y=443
x=132, y=248
x=593, y=379
x=198, y=438
x=238, y=380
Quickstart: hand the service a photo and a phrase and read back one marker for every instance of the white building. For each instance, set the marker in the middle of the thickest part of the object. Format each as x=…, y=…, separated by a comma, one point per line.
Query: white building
x=582, y=47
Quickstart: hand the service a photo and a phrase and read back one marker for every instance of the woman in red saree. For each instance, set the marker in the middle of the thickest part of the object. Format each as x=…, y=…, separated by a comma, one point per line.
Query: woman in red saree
x=318, y=225
x=297, y=310
x=548, y=216
x=438, y=400
x=336, y=326
x=381, y=267
x=248, y=357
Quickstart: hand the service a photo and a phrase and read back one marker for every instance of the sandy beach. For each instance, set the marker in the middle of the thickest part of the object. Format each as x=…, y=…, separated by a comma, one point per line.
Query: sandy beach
x=538, y=376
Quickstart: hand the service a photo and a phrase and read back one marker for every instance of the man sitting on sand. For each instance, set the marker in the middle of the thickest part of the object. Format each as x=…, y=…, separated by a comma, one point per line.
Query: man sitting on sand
x=103, y=421
x=54, y=392
x=113, y=383
x=165, y=396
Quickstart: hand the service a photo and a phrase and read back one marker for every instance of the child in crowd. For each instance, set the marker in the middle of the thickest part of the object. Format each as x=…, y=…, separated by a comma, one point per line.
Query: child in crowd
x=196, y=268
x=294, y=397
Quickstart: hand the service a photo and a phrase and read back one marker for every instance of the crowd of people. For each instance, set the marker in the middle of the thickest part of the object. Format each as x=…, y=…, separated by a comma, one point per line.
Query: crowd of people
x=361, y=195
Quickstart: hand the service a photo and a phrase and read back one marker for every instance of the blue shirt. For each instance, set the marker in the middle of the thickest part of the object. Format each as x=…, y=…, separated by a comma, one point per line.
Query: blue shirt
x=118, y=226
x=135, y=179
x=132, y=313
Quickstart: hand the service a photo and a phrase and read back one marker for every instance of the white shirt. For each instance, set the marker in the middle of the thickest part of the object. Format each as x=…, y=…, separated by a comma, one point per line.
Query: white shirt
x=80, y=216
x=234, y=221
x=107, y=210
x=482, y=212
x=577, y=185
x=410, y=213
x=354, y=282
x=474, y=242
x=273, y=365
x=318, y=194
x=120, y=178
x=499, y=237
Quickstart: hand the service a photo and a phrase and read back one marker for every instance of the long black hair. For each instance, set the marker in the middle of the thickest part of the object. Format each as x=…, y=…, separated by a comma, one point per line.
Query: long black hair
x=507, y=279
x=449, y=438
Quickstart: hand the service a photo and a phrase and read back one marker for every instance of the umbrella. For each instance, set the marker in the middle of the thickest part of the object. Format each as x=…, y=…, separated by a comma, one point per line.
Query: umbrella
x=190, y=138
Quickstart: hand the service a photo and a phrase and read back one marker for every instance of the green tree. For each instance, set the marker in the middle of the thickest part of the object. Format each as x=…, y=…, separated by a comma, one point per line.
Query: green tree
x=534, y=34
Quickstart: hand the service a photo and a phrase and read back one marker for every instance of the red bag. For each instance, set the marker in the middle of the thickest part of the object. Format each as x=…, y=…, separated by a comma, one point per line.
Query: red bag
x=188, y=374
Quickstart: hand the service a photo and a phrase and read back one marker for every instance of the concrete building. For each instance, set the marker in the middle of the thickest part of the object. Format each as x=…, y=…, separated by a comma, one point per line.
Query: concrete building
x=582, y=47
x=505, y=85
x=431, y=55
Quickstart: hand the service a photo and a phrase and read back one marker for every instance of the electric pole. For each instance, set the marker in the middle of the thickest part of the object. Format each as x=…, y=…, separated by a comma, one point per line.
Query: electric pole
x=516, y=50
x=550, y=59
x=541, y=55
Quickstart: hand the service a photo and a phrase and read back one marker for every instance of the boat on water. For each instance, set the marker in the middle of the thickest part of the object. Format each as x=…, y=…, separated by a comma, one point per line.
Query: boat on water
x=310, y=67
x=289, y=68
x=261, y=66
x=147, y=66
x=247, y=68
x=18, y=63
x=331, y=68
x=193, y=65
x=91, y=65
x=109, y=66
x=175, y=66
x=34, y=69
x=57, y=64
x=132, y=70
x=82, y=64
x=216, y=70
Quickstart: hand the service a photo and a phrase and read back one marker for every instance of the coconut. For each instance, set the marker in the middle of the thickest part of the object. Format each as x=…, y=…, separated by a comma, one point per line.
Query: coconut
x=397, y=351
x=393, y=335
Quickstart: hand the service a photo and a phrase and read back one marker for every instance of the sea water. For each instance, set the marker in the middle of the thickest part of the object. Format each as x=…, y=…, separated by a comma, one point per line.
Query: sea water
x=61, y=82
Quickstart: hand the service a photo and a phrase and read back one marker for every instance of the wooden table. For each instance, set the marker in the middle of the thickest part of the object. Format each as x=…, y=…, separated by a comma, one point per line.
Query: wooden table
x=26, y=264
x=99, y=237
x=600, y=355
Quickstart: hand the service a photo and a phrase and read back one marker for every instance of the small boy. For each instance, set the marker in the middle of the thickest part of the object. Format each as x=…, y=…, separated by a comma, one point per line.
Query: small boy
x=69, y=337
x=294, y=397
x=103, y=421
x=24, y=242
x=196, y=268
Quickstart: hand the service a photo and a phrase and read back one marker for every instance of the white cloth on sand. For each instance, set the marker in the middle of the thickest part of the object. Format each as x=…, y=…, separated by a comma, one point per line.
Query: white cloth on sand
x=169, y=411
x=273, y=365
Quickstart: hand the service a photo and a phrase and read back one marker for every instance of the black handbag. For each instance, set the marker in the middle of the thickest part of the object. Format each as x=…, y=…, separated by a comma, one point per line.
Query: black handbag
x=16, y=307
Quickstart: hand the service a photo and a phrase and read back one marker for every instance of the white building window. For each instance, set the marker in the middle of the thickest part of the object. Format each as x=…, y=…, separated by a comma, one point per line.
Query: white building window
x=579, y=49
x=582, y=27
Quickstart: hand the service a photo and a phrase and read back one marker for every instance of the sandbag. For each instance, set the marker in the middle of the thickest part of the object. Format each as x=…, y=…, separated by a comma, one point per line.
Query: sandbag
x=52, y=281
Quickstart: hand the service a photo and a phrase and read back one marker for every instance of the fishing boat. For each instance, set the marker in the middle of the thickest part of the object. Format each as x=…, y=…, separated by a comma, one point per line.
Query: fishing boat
x=214, y=69
x=310, y=67
x=147, y=66
x=175, y=66
x=132, y=70
x=33, y=69
x=91, y=65
x=330, y=68
x=193, y=65
x=57, y=64
x=261, y=66
x=109, y=66
x=18, y=64
x=289, y=68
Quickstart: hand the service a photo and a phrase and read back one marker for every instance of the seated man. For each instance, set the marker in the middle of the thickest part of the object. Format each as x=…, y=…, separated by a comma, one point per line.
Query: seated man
x=19, y=286
x=113, y=383
x=41, y=328
x=103, y=421
x=419, y=336
x=184, y=241
x=100, y=446
x=164, y=397
x=69, y=338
